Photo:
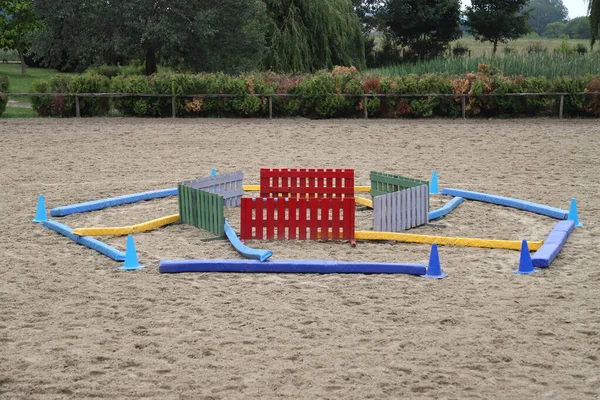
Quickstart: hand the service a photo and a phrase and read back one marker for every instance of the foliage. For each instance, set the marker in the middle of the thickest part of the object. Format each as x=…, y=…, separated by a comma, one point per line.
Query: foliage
x=339, y=93
x=208, y=35
x=555, y=30
x=17, y=23
x=460, y=49
x=309, y=35
x=578, y=28
x=4, y=84
x=594, y=12
x=497, y=20
x=424, y=27
x=544, y=12
x=541, y=64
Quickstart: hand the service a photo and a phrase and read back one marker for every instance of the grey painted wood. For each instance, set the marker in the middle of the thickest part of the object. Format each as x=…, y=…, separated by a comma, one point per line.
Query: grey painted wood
x=228, y=185
x=399, y=211
x=403, y=210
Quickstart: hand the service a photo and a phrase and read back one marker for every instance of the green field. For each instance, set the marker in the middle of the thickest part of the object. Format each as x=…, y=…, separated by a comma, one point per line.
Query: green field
x=485, y=48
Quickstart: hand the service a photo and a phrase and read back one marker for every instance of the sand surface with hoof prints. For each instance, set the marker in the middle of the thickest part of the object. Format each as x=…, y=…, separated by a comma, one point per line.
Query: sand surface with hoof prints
x=73, y=326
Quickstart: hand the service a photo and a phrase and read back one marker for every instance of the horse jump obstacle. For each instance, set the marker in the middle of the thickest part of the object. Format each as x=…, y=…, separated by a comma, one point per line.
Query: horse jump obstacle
x=382, y=183
x=399, y=211
x=316, y=201
x=228, y=185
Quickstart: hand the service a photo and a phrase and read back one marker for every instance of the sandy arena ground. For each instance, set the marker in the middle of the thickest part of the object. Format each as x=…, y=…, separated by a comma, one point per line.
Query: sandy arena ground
x=73, y=326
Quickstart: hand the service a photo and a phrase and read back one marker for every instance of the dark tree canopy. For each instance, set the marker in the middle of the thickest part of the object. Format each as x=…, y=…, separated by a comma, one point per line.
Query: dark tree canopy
x=594, y=10
x=497, y=20
x=307, y=35
x=426, y=27
x=578, y=28
x=544, y=12
x=203, y=35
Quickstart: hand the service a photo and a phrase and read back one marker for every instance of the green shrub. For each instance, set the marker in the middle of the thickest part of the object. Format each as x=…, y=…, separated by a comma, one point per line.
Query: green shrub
x=90, y=83
x=4, y=84
x=53, y=106
x=581, y=49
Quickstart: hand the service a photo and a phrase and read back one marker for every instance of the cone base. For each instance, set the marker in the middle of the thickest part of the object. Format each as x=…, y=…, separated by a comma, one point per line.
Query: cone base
x=37, y=221
x=131, y=268
x=578, y=225
x=442, y=276
x=526, y=273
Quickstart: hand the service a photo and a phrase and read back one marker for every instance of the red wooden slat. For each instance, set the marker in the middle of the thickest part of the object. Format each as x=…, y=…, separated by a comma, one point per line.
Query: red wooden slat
x=302, y=218
x=281, y=217
x=324, y=218
x=314, y=218
x=320, y=182
x=270, y=220
x=292, y=204
x=246, y=218
x=259, y=221
x=336, y=204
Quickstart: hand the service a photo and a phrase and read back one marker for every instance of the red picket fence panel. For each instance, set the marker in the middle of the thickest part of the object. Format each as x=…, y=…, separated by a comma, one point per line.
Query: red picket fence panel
x=298, y=218
x=307, y=183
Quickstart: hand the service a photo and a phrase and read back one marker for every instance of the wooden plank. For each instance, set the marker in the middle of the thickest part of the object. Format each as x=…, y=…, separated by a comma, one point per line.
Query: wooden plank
x=389, y=210
x=270, y=219
x=405, y=209
x=292, y=217
x=349, y=207
x=281, y=217
x=413, y=207
x=259, y=205
x=336, y=204
x=397, y=213
x=324, y=218
x=313, y=205
x=246, y=219
x=377, y=213
x=302, y=218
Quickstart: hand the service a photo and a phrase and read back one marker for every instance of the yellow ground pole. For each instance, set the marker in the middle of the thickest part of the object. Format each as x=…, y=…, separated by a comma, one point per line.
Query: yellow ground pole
x=357, y=189
x=364, y=202
x=443, y=240
x=126, y=230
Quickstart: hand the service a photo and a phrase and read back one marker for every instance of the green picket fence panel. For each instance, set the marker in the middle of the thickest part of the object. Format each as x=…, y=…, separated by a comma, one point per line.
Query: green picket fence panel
x=382, y=183
x=202, y=209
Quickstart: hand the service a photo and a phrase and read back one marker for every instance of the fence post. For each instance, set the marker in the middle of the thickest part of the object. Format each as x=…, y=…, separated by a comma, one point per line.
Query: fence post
x=173, y=110
x=562, y=105
x=77, y=109
x=270, y=107
x=463, y=101
x=366, y=111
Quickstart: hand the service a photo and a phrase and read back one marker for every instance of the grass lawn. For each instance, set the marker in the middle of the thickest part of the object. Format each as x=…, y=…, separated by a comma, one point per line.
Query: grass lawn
x=18, y=112
x=22, y=84
x=520, y=45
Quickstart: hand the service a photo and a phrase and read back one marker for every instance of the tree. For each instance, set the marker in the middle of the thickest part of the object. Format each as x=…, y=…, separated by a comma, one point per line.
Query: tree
x=544, y=12
x=578, y=28
x=17, y=23
x=594, y=10
x=307, y=35
x=497, y=20
x=555, y=30
x=426, y=27
x=203, y=35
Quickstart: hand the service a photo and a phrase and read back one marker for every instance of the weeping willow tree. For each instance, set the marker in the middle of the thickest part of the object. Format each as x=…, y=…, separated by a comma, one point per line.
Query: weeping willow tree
x=308, y=35
x=594, y=9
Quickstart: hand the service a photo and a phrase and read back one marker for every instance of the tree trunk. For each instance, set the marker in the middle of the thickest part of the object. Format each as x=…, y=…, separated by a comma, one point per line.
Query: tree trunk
x=495, y=47
x=22, y=58
x=150, y=61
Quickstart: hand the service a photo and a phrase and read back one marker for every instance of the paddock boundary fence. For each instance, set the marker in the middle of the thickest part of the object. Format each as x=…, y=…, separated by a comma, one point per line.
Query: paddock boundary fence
x=270, y=96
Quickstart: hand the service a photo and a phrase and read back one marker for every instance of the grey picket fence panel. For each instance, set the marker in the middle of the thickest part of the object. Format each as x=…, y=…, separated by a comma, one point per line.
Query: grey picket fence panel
x=399, y=211
x=228, y=185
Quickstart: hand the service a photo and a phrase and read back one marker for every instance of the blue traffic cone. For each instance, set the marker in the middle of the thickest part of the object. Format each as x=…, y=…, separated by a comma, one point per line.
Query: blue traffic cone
x=573, y=215
x=213, y=172
x=40, y=214
x=525, y=263
x=433, y=185
x=131, y=258
x=434, y=270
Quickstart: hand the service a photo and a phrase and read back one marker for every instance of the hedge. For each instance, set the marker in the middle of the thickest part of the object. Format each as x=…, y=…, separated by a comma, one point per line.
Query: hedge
x=4, y=83
x=319, y=95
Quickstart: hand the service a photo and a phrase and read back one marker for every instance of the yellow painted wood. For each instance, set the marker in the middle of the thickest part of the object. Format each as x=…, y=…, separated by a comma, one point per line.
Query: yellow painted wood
x=364, y=202
x=357, y=189
x=126, y=230
x=443, y=240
